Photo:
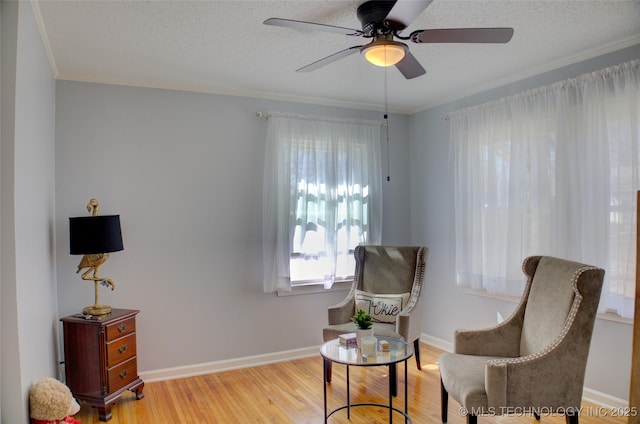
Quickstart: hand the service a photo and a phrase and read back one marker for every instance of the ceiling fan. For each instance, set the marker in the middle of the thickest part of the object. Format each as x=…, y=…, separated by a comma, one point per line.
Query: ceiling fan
x=383, y=21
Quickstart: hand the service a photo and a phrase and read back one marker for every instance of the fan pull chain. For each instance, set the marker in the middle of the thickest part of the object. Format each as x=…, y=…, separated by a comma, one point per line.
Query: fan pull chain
x=386, y=121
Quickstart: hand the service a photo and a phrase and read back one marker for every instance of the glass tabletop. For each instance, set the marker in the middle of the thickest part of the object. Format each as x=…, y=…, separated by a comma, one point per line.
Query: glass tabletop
x=399, y=350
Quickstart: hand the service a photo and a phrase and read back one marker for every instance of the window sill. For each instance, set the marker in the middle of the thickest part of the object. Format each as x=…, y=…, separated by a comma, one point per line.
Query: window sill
x=612, y=316
x=315, y=288
x=483, y=293
x=607, y=316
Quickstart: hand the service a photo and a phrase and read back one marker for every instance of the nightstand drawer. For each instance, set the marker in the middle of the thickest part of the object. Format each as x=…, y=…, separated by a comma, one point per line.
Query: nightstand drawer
x=121, y=329
x=123, y=374
x=121, y=350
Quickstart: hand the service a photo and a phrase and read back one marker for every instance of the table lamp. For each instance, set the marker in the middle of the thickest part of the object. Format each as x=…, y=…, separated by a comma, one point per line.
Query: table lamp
x=95, y=237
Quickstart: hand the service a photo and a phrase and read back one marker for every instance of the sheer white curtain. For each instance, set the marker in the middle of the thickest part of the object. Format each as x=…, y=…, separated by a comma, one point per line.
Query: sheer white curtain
x=550, y=171
x=322, y=197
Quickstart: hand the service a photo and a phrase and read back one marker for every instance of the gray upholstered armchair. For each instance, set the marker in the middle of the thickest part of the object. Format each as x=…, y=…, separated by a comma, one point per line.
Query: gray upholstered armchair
x=384, y=270
x=535, y=360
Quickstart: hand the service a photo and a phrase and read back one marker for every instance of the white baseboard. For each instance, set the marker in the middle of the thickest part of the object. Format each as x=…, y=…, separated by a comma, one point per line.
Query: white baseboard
x=603, y=399
x=436, y=342
x=228, y=365
x=590, y=395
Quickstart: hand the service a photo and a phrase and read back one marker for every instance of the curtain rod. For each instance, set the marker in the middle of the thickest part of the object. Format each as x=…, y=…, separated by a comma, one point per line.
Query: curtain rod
x=266, y=115
x=580, y=80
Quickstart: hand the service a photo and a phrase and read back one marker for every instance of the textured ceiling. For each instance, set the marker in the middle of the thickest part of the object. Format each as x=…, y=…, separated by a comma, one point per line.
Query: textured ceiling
x=223, y=47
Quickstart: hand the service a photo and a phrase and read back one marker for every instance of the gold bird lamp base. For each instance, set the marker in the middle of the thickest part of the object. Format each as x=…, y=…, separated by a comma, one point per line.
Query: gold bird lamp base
x=97, y=310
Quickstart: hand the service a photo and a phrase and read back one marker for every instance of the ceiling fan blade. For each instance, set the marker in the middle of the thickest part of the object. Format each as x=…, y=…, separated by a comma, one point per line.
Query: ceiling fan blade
x=410, y=67
x=289, y=23
x=404, y=12
x=329, y=59
x=462, y=35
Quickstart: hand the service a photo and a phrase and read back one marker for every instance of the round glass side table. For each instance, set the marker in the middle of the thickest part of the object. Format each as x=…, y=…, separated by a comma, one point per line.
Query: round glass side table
x=399, y=351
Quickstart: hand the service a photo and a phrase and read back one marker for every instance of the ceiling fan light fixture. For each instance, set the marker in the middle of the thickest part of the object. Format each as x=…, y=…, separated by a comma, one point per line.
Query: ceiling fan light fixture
x=384, y=52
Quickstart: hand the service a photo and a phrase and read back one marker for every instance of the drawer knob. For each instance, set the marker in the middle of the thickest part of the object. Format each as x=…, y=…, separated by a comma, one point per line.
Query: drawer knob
x=123, y=373
x=122, y=327
x=122, y=349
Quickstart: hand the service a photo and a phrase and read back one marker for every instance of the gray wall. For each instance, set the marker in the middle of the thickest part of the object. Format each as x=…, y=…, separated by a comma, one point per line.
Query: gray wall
x=447, y=307
x=28, y=288
x=184, y=171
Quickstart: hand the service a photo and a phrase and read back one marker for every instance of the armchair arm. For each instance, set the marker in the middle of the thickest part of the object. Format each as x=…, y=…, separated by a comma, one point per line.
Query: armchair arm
x=343, y=311
x=552, y=378
x=500, y=340
x=408, y=327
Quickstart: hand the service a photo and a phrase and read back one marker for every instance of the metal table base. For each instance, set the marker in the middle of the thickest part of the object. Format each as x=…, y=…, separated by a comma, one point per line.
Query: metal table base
x=392, y=375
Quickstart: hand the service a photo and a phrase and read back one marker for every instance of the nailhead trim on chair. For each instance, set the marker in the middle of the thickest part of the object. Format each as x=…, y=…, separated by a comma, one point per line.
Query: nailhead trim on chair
x=571, y=317
x=418, y=279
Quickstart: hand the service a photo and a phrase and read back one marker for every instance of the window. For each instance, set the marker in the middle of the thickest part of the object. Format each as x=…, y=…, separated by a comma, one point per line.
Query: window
x=552, y=171
x=322, y=197
x=326, y=219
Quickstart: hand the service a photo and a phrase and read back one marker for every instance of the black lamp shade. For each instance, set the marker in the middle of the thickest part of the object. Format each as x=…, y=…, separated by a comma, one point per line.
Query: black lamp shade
x=95, y=234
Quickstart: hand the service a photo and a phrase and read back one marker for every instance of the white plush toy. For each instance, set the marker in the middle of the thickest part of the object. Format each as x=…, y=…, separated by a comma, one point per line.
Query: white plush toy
x=51, y=402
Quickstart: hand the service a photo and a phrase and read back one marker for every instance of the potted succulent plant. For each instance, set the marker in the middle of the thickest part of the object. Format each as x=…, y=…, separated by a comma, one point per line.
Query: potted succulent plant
x=364, y=324
x=362, y=320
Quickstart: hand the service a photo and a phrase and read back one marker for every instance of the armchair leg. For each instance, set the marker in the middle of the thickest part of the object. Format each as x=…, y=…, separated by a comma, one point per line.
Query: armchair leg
x=327, y=369
x=536, y=416
x=571, y=418
x=416, y=350
x=472, y=419
x=444, y=402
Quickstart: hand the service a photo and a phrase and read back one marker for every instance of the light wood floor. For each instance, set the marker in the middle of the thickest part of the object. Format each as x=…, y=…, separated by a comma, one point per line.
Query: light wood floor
x=291, y=392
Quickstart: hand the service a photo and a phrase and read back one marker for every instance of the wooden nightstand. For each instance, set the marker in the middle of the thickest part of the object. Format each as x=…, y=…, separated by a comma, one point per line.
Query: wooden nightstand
x=100, y=358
